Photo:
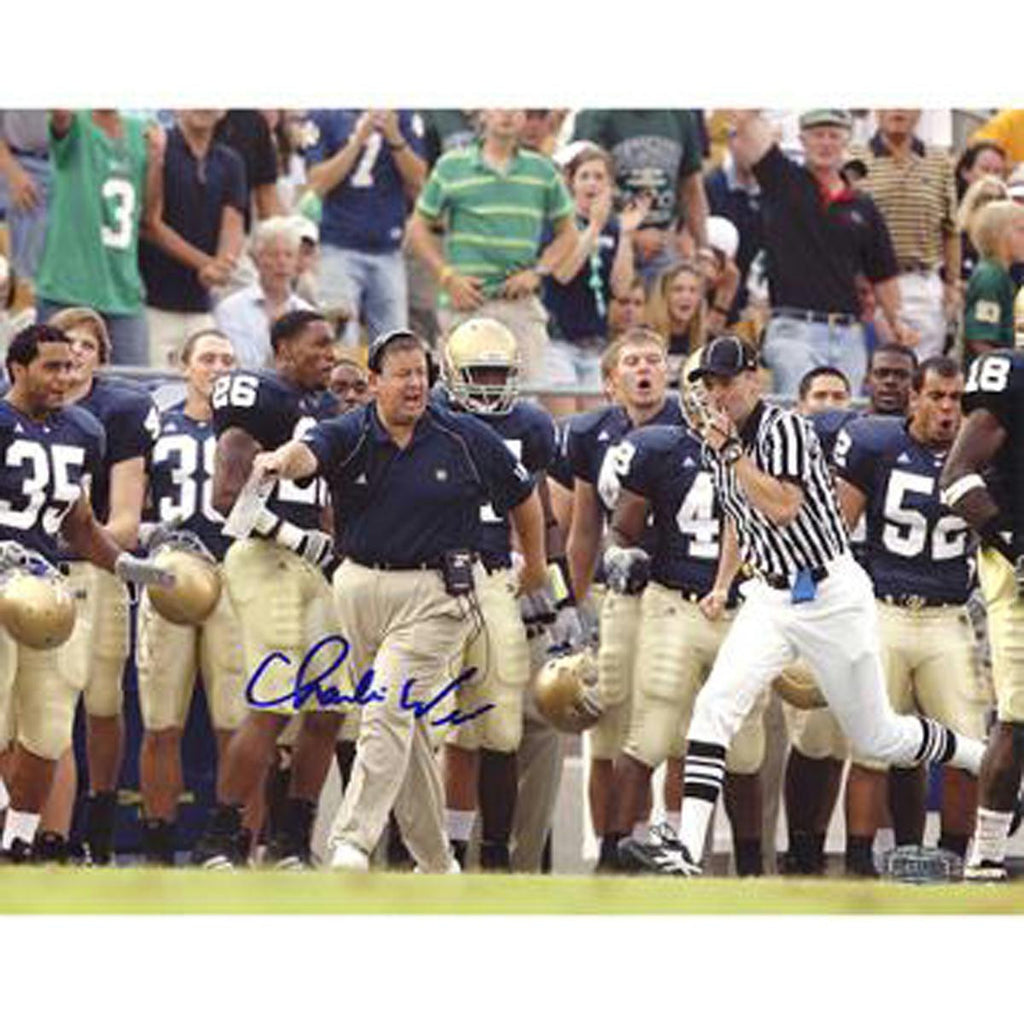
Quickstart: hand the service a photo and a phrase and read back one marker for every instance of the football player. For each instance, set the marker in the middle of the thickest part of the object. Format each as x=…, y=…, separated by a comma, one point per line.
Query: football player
x=685, y=612
x=275, y=578
x=991, y=441
x=170, y=653
x=51, y=450
x=920, y=563
x=480, y=371
x=101, y=642
x=638, y=372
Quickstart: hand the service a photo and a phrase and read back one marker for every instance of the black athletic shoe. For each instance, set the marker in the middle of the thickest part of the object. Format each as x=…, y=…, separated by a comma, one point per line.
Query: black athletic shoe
x=289, y=846
x=50, y=848
x=100, y=814
x=661, y=854
x=858, y=867
x=20, y=852
x=158, y=842
x=495, y=857
x=224, y=843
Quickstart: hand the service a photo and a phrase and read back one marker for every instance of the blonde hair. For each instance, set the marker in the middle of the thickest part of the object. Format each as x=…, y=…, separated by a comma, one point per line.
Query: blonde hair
x=657, y=305
x=272, y=229
x=990, y=224
x=72, y=316
x=984, y=191
x=631, y=336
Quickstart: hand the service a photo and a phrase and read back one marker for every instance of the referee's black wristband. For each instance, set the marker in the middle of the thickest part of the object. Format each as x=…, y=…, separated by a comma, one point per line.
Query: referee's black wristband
x=396, y=146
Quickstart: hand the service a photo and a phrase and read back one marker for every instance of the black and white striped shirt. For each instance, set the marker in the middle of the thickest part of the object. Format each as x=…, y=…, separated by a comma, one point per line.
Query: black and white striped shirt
x=784, y=445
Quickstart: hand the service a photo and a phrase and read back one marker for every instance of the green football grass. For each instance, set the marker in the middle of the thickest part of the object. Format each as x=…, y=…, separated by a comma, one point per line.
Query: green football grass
x=162, y=891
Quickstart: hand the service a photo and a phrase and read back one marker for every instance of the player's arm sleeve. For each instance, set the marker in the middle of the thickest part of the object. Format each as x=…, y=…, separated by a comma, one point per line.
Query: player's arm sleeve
x=995, y=383
x=137, y=429
x=853, y=460
x=639, y=477
x=788, y=448
x=576, y=456
x=541, y=447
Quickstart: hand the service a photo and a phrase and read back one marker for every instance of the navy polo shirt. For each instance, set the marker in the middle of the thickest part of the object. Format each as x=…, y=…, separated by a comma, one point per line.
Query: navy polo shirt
x=195, y=194
x=367, y=210
x=406, y=507
x=574, y=304
x=815, y=245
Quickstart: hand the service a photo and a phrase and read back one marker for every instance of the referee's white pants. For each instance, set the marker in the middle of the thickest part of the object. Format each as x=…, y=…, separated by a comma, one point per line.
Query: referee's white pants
x=837, y=633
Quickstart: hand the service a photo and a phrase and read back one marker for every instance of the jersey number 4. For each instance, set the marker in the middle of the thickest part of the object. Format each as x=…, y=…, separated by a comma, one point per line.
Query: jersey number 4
x=696, y=517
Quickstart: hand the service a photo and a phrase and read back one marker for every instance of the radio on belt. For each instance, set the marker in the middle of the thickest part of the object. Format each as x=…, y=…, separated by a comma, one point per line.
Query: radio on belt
x=457, y=572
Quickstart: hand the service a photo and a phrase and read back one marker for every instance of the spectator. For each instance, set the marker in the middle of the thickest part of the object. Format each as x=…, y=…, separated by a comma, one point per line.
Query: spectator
x=349, y=382
x=493, y=199
x=247, y=132
x=1006, y=129
x=977, y=161
x=717, y=262
x=982, y=191
x=448, y=129
x=823, y=388
x=659, y=152
x=367, y=167
x=307, y=272
x=540, y=130
x=105, y=174
x=195, y=234
x=914, y=188
x=627, y=309
x=676, y=311
x=245, y=317
x=578, y=292
x=997, y=232
x=818, y=235
x=10, y=322
x=733, y=193
x=25, y=163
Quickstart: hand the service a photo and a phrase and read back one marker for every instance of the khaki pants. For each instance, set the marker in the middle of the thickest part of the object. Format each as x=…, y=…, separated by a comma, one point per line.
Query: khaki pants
x=1006, y=633
x=403, y=625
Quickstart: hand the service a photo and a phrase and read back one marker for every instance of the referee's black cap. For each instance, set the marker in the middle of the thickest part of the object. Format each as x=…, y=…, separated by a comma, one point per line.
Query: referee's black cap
x=725, y=356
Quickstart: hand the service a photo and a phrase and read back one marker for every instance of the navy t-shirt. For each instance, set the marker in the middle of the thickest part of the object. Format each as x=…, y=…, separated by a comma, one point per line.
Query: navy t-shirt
x=195, y=194
x=580, y=307
x=406, y=506
x=366, y=211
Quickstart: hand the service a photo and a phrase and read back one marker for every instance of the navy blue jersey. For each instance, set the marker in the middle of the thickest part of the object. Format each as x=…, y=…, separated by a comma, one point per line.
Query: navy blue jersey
x=915, y=545
x=273, y=411
x=405, y=507
x=181, y=478
x=367, y=210
x=996, y=383
x=43, y=472
x=529, y=433
x=663, y=465
x=593, y=440
x=132, y=425
x=827, y=425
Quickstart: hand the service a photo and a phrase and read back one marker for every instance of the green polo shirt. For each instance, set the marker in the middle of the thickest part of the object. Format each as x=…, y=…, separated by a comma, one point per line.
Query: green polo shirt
x=988, y=305
x=494, y=220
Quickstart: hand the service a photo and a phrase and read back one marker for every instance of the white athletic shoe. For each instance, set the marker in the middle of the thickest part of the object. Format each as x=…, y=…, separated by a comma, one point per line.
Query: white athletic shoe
x=453, y=869
x=348, y=857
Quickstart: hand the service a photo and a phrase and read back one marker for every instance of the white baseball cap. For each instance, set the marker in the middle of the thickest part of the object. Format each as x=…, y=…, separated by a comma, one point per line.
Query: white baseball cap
x=723, y=236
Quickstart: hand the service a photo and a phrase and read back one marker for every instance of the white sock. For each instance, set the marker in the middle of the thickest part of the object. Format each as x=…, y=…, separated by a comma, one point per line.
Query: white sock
x=640, y=830
x=990, y=836
x=693, y=826
x=459, y=824
x=19, y=825
x=5, y=797
x=673, y=818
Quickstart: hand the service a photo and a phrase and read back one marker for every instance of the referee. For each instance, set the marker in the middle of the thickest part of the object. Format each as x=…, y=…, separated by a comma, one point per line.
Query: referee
x=407, y=481
x=808, y=599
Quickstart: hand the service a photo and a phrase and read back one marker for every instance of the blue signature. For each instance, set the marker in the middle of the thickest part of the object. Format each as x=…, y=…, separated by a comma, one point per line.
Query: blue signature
x=362, y=694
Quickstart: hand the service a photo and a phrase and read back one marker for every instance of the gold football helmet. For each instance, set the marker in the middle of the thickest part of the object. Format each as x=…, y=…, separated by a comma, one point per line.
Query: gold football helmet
x=36, y=606
x=796, y=685
x=195, y=592
x=565, y=691
x=693, y=397
x=479, y=345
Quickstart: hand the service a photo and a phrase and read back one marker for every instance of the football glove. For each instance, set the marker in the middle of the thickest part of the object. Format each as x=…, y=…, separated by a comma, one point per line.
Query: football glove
x=627, y=570
x=142, y=572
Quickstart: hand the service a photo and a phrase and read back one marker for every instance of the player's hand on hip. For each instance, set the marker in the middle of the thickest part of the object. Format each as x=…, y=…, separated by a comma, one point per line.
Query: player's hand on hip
x=712, y=604
x=627, y=570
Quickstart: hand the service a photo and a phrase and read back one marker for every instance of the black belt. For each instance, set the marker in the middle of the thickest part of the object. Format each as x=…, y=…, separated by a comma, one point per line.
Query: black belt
x=917, y=601
x=814, y=317
x=782, y=582
x=434, y=564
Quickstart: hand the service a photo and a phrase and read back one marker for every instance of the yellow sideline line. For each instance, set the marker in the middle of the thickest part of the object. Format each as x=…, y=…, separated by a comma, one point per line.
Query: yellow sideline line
x=54, y=890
